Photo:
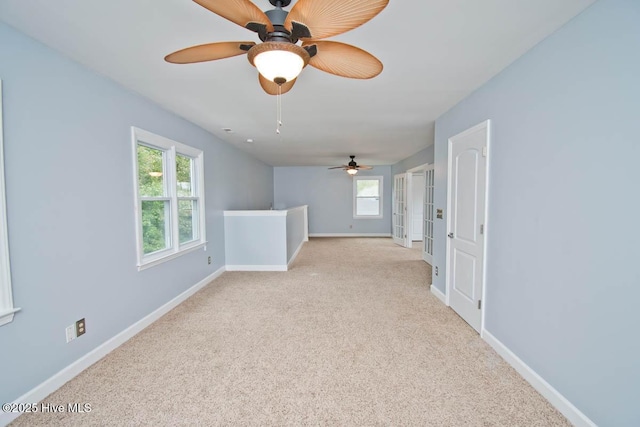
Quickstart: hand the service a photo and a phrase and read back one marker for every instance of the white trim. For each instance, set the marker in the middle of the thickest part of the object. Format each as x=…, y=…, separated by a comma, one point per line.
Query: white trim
x=438, y=293
x=349, y=234
x=561, y=403
x=306, y=224
x=264, y=267
x=50, y=385
x=171, y=255
x=297, y=208
x=256, y=213
x=420, y=168
x=6, y=297
x=269, y=212
x=380, y=180
x=7, y=316
x=295, y=254
x=171, y=149
x=487, y=230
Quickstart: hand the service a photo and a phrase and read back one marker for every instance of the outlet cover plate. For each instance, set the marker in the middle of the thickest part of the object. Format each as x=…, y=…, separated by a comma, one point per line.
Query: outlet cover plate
x=81, y=327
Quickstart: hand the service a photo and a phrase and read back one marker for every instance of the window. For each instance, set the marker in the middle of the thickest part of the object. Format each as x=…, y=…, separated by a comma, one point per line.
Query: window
x=169, y=191
x=367, y=197
x=6, y=299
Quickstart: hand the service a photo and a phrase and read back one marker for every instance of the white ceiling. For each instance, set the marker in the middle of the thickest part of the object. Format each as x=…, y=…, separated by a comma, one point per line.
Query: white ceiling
x=435, y=52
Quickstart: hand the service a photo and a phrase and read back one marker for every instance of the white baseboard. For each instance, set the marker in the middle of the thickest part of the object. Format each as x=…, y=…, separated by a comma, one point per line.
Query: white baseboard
x=295, y=254
x=349, y=234
x=573, y=414
x=277, y=267
x=272, y=267
x=58, y=380
x=442, y=297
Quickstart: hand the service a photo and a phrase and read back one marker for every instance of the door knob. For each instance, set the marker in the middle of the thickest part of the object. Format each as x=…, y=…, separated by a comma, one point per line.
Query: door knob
x=450, y=235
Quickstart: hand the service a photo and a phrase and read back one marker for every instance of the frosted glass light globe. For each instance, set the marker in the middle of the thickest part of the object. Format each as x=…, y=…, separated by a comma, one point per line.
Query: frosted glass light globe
x=278, y=60
x=278, y=63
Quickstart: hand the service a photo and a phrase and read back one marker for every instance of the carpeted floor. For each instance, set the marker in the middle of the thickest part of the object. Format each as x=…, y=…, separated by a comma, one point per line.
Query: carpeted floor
x=350, y=336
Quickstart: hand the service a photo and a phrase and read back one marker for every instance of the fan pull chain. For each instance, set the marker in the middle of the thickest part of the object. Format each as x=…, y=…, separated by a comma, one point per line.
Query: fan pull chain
x=279, y=109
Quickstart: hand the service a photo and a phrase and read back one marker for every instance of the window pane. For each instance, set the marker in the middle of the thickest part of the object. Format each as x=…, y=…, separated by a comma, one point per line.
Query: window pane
x=188, y=220
x=368, y=206
x=367, y=187
x=184, y=173
x=150, y=171
x=155, y=225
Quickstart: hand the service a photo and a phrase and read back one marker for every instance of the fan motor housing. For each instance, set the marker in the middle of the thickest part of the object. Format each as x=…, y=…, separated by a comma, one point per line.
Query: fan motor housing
x=283, y=3
x=279, y=33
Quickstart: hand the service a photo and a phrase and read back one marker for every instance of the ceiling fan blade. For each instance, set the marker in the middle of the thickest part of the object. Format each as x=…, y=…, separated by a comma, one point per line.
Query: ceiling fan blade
x=327, y=18
x=340, y=167
x=344, y=60
x=242, y=12
x=364, y=167
x=208, y=52
x=272, y=88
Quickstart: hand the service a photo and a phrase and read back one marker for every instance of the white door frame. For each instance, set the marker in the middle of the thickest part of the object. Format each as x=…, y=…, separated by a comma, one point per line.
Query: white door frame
x=405, y=241
x=416, y=177
x=409, y=217
x=428, y=257
x=486, y=124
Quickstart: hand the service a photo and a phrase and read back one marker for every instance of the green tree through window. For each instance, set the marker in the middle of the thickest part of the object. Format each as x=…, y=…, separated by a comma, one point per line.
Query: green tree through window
x=187, y=204
x=154, y=212
x=169, y=197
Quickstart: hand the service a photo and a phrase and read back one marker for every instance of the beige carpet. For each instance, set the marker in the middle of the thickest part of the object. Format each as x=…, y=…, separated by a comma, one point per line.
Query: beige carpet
x=350, y=336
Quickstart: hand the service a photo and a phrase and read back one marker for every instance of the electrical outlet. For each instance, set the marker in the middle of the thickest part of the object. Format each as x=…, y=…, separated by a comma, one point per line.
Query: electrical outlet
x=209, y=260
x=70, y=332
x=81, y=327
x=436, y=271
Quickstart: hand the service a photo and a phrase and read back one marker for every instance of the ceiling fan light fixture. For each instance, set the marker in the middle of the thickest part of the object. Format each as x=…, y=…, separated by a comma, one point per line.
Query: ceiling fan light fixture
x=352, y=171
x=278, y=60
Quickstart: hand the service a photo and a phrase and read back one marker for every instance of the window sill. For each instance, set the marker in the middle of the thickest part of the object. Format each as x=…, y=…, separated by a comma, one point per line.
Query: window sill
x=368, y=217
x=7, y=316
x=173, y=255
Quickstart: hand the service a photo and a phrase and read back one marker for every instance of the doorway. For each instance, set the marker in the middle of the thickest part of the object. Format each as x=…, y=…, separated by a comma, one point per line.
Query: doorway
x=419, y=214
x=400, y=235
x=427, y=248
x=466, y=200
x=417, y=206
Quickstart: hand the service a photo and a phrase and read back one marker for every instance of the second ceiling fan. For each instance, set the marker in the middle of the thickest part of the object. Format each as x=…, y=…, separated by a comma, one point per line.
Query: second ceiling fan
x=352, y=167
x=279, y=59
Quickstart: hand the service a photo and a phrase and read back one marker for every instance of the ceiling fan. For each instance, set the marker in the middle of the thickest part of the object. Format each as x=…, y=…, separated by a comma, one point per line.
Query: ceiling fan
x=352, y=167
x=279, y=59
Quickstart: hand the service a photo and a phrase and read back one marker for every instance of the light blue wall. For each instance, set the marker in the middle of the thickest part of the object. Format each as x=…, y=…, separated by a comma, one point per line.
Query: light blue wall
x=329, y=194
x=422, y=157
x=295, y=232
x=256, y=240
x=70, y=208
x=564, y=207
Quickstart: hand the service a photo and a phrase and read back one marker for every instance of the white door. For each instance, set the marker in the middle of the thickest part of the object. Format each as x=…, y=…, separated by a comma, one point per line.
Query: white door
x=400, y=209
x=466, y=219
x=417, y=206
x=427, y=249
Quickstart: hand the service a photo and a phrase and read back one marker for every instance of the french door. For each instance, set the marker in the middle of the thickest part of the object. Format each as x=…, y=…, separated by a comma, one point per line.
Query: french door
x=427, y=249
x=400, y=210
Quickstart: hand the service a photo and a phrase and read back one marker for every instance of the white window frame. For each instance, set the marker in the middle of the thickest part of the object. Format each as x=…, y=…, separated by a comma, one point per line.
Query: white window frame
x=380, y=180
x=7, y=310
x=171, y=148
